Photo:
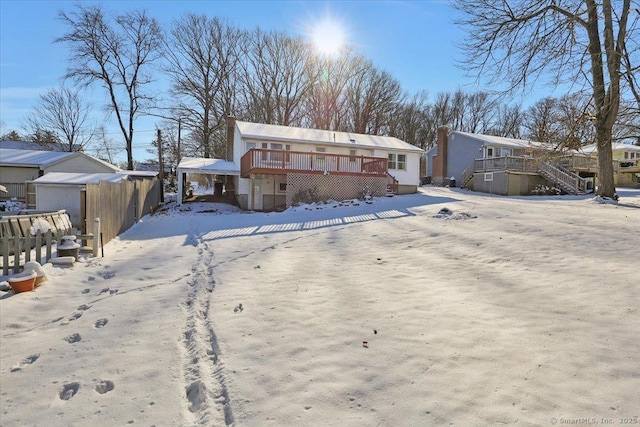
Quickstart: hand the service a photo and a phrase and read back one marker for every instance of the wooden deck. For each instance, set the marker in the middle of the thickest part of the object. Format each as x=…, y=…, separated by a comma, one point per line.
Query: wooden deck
x=282, y=162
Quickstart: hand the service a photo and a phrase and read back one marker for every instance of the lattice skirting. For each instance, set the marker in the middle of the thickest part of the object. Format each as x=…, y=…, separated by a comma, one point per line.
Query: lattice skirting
x=332, y=187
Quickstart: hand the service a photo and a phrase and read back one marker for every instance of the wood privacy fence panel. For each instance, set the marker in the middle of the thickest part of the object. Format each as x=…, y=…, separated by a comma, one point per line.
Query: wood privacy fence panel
x=120, y=205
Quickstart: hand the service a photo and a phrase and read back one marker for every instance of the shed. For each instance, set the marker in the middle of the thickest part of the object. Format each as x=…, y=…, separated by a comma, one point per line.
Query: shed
x=60, y=190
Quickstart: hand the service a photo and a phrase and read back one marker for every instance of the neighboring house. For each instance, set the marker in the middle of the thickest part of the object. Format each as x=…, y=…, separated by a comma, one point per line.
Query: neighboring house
x=510, y=166
x=61, y=190
x=626, y=163
x=271, y=167
x=30, y=145
x=20, y=166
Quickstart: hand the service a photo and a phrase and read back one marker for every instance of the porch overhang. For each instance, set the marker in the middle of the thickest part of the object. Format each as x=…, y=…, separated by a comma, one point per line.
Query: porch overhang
x=206, y=167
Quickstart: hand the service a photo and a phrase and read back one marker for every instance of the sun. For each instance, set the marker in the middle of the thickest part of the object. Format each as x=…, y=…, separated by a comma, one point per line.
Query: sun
x=328, y=37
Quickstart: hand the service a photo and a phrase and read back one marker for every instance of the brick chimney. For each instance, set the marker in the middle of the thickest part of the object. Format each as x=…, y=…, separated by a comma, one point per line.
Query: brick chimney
x=440, y=160
x=231, y=129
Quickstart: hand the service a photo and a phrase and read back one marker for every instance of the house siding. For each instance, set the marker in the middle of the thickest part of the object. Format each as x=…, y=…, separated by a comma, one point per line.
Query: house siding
x=462, y=152
x=78, y=164
x=50, y=197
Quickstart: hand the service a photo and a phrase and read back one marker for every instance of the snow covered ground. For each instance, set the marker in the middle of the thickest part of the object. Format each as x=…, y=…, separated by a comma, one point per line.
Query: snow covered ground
x=398, y=312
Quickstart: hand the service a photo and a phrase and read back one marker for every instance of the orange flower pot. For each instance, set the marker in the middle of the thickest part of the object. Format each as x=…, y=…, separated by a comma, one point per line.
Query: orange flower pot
x=23, y=282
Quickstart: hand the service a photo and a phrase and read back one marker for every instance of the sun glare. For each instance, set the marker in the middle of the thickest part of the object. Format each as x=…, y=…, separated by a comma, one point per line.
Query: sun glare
x=328, y=37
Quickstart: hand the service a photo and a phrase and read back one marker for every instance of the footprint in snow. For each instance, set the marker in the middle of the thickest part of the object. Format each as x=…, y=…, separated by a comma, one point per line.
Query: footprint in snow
x=69, y=390
x=101, y=323
x=108, y=275
x=105, y=386
x=74, y=338
x=84, y=307
x=27, y=361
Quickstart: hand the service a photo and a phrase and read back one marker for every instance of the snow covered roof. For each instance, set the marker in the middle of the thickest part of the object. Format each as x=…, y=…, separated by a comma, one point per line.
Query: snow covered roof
x=501, y=141
x=314, y=136
x=592, y=148
x=35, y=158
x=138, y=173
x=210, y=166
x=69, y=178
x=29, y=145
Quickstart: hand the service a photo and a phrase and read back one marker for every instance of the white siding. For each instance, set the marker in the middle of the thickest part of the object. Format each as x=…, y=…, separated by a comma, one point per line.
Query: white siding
x=54, y=197
x=79, y=164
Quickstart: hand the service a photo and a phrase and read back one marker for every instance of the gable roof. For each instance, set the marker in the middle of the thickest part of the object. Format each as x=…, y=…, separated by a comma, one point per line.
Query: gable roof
x=502, y=141
x=30, y=145
x=30, y=158
x=315, y=136
x=35, y=158
x=74, y=178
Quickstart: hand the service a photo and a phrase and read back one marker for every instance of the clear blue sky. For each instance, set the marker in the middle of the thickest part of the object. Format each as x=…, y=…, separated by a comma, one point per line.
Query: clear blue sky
x=413, y=40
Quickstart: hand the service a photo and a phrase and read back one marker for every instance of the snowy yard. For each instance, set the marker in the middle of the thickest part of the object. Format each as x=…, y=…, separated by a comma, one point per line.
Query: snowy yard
x=503, y=310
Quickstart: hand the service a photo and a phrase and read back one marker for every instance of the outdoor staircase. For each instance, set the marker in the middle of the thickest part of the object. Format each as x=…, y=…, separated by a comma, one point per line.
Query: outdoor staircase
x=467, y=176
x=569, y=182
x=392, y=185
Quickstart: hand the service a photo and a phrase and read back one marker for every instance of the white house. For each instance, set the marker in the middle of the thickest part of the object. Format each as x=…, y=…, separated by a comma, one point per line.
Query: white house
x=18, y=166
x=271, y=167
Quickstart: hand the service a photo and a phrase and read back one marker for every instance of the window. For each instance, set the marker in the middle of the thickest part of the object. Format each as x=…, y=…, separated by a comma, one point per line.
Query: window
x=265, y=155
x=249, y=145
x=352, y=155
x=282, y=187
x=397, y=161
x=488, y=176
x=505, y=152
x=402, y=162
x=392, y=161
x=489, y=151
x=626, y=155
x=320, y=150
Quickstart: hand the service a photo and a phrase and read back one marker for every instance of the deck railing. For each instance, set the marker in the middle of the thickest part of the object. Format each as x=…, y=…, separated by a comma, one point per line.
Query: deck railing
x=259, y=160
x=516, y=164
x=568, y=181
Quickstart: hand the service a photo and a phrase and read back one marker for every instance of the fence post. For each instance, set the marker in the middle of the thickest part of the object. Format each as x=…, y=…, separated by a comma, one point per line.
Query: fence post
x=96, y=236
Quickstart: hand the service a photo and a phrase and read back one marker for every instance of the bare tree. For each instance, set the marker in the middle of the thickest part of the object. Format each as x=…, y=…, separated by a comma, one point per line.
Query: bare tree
x=202, y=56
x=580, y=41
x=116, y=53
x=326, y=104
x=411, y=122
x=104, y=147
x=629, y=118
x=277, y=76
x=63, y=112
x=372, y=98
x=508, y=122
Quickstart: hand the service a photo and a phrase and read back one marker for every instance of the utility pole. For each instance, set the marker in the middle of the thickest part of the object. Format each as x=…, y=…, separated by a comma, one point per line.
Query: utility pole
x=179, y=132
x=160, y=166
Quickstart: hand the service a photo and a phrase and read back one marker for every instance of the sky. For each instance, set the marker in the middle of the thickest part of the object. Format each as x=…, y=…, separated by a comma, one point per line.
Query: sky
x=413, y=40
x=505, y=311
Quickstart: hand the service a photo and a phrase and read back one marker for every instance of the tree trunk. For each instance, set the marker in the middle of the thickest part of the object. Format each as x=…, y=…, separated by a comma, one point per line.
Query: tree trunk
x=606, y=186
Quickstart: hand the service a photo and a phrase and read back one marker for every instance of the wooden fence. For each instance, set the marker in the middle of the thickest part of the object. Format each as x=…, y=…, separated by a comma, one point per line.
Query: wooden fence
x=118, y=205
x=26, y=237
x=107, y=209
